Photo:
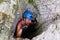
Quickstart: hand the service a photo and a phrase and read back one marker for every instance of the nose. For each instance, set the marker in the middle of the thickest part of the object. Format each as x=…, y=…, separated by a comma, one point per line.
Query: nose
x=30, y=21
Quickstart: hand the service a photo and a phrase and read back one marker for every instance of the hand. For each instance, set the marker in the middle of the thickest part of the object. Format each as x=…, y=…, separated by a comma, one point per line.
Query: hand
x=24, y=27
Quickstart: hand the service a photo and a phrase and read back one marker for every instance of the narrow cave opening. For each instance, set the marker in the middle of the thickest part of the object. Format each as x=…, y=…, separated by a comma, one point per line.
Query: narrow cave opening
x=32, y=31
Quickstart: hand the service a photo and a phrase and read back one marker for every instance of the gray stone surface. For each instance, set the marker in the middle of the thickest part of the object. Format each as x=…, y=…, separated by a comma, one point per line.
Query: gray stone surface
x=50, y=14
x=49, y=17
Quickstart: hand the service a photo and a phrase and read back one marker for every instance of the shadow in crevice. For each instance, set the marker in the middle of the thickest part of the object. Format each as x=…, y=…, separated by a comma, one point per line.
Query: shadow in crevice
x=32, y=31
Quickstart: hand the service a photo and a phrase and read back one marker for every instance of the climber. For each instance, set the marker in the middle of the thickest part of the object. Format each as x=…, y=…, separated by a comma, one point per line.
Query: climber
x=28, y=18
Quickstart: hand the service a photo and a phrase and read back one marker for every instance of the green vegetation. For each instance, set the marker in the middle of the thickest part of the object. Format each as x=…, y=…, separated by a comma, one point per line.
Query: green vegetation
x=30, y=1
x=1, y=1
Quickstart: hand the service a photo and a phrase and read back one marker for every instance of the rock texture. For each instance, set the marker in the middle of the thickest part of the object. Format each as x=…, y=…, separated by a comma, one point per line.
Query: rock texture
x=6, y=19
x=50, y=14
x=49, y=18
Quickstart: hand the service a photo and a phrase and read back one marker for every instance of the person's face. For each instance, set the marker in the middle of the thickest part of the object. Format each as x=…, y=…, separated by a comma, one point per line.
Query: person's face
x=28, y=21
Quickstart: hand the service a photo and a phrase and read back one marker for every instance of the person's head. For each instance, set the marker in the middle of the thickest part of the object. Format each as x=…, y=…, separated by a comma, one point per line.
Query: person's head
x=28, y=17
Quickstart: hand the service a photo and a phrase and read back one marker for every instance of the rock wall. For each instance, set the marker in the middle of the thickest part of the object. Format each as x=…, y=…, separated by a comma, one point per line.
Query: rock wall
x=50, y=17
x=9, y=11
x=6, y=20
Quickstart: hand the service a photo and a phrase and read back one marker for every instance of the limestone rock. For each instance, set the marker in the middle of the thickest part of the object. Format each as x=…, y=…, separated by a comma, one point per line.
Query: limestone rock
x=49, y=10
